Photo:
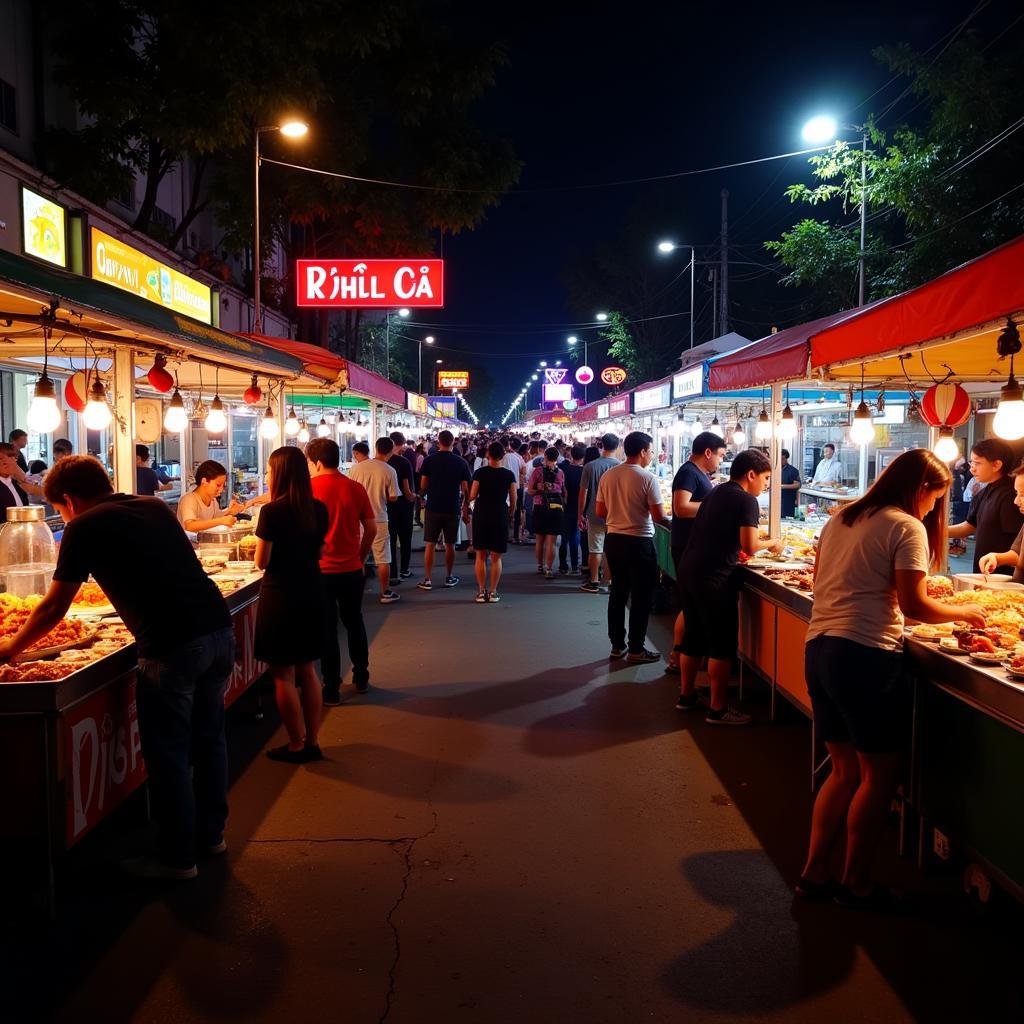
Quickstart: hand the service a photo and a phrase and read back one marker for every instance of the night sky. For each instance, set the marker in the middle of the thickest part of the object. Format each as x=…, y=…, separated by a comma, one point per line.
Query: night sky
x=595, y=98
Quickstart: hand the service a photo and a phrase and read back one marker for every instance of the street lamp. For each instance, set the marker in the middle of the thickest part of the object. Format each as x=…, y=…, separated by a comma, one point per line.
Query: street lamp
x=429, y=339
x=823, y=129
x=290, y=130
x=601, y=317
x=668, y=247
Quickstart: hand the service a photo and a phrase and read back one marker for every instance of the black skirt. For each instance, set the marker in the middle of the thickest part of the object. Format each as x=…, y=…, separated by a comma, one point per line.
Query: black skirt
x=490, y=530
x=547, y=521
x=289, y=625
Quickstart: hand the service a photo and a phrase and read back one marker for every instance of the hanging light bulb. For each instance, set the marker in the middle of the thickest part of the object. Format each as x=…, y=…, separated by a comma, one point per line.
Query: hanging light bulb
x=175, y=419
x=216, y=419
x=97, y=412
x=268, y=428
x=291, y=424
x=862, y=430
x=739, y=437
x=1008, y=422
x=787, y=426
x=303, y=435
x=946, y=447
x=43, y=415
x=763, y=429
x=323, y=428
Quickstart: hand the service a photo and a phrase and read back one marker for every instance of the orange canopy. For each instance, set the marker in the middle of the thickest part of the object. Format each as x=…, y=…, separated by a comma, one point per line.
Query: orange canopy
x=317, y=361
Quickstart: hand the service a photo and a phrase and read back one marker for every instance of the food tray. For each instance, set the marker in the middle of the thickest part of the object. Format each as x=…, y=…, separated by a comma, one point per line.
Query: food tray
x=48, y=652
x=97, y=611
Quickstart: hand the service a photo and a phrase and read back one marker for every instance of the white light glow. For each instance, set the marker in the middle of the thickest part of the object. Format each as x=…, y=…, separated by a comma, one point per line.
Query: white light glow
x=268, y=428
x=862, y=430
x=946, y=447
x=294, y=129
x=820, y=129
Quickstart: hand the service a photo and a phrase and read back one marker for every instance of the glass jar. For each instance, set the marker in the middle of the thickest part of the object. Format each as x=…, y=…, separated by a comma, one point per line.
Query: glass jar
x=28, y=555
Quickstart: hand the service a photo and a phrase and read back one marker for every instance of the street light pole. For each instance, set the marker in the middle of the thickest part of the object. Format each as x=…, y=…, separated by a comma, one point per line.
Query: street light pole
x=863, y=207
x=667, y=247
x=291, y=130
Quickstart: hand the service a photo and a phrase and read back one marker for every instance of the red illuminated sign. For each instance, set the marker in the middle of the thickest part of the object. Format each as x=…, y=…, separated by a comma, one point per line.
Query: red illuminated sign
x=613, y=376
x=363, y=284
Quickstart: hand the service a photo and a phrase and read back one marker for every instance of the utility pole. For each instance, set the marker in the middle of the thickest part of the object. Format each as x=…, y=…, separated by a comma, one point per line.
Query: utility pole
x=713, y=277
x=723, y=315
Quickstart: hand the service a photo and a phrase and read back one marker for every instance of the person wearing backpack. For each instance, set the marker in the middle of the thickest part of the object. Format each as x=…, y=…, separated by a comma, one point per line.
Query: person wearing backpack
x=547, y=490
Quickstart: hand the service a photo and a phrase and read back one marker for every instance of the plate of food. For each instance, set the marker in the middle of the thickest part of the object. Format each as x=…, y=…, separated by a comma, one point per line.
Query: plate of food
x=241, y=565
x=989, y=657
x=951, y=645
x=64, y=636
x=1015, y=666
x=91, y=601
x=931, y=633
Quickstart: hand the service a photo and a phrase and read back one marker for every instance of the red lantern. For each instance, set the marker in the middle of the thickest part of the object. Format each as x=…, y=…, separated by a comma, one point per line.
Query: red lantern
x=253, y=395
x=158, y=377
x=76, y=391
x=945, y=405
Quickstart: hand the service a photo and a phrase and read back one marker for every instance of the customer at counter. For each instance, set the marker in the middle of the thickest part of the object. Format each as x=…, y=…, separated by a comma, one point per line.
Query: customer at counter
x=993, y=517
x=871, y=569
x=726, y=524
x=186, y=646
x=199, y=510
x=290, y=535
x=690, y=486
x=147, y=480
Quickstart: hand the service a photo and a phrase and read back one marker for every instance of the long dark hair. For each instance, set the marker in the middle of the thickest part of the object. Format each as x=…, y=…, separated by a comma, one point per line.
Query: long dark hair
x=290, y=482
x=900, y=486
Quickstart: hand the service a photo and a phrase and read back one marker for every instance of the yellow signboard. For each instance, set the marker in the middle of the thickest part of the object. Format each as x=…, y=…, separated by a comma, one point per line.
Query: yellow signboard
x=126, y=268
x=44, y=228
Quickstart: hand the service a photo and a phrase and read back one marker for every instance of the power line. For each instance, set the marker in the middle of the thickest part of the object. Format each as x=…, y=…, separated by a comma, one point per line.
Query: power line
x=539, y=191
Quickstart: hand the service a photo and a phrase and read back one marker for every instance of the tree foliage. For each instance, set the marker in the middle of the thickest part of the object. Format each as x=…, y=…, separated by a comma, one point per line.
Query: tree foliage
x=388, y=89
x=939, y=191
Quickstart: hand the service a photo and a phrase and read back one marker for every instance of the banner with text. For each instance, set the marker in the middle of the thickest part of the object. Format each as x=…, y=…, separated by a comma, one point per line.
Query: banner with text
x=362, y=284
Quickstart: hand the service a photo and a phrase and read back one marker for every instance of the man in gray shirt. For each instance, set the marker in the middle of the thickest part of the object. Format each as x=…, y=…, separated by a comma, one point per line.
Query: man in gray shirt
x=589, y=519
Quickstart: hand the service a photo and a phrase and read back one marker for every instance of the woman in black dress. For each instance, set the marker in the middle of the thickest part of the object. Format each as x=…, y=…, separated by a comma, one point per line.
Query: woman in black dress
x=290, y=534
x=494, y=494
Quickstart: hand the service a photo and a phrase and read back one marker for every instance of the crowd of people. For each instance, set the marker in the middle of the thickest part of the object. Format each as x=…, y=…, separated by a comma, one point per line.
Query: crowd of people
x=321, y=532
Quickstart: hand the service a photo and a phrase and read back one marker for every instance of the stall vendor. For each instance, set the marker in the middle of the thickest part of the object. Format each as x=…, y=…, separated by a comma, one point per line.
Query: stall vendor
x=993, y=517
x=828, y=470
x=790, y=485
x=199, y=509
x=993, y=561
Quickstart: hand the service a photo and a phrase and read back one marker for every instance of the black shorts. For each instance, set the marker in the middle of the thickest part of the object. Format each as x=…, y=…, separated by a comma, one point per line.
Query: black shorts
x=437, y=523
x=712, y=622
x=547, y=521
x=859, y=694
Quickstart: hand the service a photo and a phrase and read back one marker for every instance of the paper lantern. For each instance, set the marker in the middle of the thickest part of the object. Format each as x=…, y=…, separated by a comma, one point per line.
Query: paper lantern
x=76, y=391
x=253, y=395
x=159, y=379
x=945, y=405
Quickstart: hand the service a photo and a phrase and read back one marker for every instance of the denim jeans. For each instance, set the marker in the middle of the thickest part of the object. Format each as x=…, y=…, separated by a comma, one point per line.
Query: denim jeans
x=343, y=596
x=633, y=564
x=181, y=710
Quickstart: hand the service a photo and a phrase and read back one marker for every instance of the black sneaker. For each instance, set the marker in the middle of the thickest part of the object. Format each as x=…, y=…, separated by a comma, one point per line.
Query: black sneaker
x=361, y=685
x=727, y=716
x=643, y=656
x=687, y=703
x=405, y=575
x=332, y=697
x=590, y=587
x=394, y=581
x=425, y=585
x=451, y=581
x=563, y=571
x=617, y=652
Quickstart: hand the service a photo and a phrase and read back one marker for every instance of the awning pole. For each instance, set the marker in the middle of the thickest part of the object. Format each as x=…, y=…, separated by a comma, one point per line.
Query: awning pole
x=775, y=454
x=123, y=422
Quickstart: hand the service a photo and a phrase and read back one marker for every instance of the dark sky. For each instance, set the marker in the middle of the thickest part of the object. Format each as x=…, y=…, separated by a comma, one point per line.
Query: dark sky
x=593, y=98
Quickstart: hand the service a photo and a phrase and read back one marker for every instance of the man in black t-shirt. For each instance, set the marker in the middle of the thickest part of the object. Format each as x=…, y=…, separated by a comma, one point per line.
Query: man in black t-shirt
x=790, y=486
x=400, y=511
x=186, y=646
x=726, y=524
x=147, y=480
x=569, y=549
x=445, y=480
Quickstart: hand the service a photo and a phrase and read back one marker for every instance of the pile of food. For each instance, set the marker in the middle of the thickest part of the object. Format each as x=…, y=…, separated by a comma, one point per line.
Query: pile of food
x=1003, y=609
x=14, y=613
x=90, y=595
x=799, y=579
x=940, y=587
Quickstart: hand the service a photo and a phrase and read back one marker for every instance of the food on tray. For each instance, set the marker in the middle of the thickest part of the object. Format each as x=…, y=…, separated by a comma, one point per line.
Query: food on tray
x=939, y=586
x=35, y=671
x=90, y=595
x=981, y=644
x=1017, y=664
x=249, y=543
x=926, y=631
x=951, y=645
x=14, y=613
x=227, y=586
x=985, y=658
x=799, y=579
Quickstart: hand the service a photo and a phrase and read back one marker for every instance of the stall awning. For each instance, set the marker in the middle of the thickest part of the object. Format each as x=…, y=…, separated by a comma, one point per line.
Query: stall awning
x=109, y=314
x=316, y=360
x=777, y=357
x=707, y=351
x=373, y=385
x=948, y=324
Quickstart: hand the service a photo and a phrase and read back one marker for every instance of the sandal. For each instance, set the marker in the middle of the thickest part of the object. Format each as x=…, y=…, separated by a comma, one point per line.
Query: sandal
x=493, y=598
x=282, y=753
x=481, y=598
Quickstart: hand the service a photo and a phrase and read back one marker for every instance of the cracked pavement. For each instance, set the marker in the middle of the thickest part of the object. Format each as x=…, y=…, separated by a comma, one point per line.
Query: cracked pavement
x=507, y=828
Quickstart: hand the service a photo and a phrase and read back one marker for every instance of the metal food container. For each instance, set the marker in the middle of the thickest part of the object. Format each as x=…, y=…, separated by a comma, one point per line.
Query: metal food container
x=225, y=541
x=978, y=581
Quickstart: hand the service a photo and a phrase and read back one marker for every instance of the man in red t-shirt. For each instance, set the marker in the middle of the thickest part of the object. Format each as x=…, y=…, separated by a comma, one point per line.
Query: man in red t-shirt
x=351, y=529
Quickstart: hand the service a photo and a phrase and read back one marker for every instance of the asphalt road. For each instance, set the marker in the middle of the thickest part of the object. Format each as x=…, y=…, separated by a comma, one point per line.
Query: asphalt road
x=507, y=828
